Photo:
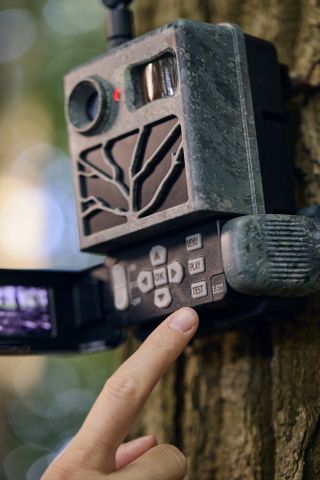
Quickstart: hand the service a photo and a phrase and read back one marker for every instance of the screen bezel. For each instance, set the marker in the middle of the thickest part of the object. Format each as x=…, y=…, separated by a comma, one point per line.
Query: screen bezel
x=70, y=329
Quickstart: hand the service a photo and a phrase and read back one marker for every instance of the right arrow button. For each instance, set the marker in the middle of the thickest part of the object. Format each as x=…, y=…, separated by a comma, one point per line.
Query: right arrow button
x=175, y=272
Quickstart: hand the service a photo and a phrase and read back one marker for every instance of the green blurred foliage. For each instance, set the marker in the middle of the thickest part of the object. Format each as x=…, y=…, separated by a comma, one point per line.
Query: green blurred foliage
x=45, y=64
x=52, y=411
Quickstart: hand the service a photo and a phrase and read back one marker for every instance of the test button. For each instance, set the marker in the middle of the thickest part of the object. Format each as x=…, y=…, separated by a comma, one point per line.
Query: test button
x=199, y=289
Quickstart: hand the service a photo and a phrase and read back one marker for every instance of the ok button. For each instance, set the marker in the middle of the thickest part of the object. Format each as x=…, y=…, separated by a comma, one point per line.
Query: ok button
x=160, y=276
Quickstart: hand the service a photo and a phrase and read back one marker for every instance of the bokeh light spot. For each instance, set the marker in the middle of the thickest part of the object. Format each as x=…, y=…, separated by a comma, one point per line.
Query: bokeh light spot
x=24, y=216
x=17, y=33
x=38, y=468
x=18, y=461
x=69, y=402
x=23, y=123
x=68, y=17
x=20, y=374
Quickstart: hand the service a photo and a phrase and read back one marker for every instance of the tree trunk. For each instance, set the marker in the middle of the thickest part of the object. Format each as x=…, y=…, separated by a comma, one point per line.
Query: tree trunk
x=246, y=405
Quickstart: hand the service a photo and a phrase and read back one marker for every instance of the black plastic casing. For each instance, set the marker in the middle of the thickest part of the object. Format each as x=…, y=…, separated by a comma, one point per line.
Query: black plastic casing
x=79, y=306
x=271, y=126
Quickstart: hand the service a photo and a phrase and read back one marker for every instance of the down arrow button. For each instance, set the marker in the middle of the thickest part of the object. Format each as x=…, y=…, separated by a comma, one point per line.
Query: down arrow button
x=162, y=297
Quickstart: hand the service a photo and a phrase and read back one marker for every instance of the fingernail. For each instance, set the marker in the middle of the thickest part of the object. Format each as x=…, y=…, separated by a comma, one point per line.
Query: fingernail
x=142, y=439
x=183, y=320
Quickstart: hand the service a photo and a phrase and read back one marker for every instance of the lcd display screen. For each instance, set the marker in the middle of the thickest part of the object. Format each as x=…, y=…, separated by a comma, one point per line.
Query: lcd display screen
x=24, y=311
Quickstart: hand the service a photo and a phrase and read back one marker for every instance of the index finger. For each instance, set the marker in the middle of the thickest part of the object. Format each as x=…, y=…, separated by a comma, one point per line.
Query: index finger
x=125, y=393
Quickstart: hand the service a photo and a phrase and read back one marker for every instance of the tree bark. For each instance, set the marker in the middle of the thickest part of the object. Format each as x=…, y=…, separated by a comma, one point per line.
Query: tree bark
x=246, y=405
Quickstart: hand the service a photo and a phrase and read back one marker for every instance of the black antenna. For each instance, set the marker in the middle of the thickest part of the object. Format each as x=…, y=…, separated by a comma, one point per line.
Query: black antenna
x=119, y=22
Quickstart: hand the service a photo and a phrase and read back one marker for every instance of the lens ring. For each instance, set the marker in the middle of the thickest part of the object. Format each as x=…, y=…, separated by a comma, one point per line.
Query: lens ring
x=87, y=105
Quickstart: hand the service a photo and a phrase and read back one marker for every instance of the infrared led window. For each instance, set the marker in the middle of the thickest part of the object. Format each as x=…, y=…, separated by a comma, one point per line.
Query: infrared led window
x=24, y=311
x=155, y=79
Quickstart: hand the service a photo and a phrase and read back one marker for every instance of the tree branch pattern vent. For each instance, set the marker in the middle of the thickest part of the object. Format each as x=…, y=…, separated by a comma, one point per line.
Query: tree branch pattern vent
x=132, y=176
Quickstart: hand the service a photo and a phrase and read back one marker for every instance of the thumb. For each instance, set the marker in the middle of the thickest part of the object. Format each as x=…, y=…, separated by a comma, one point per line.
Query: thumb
x=163, y=462
x=130, y=451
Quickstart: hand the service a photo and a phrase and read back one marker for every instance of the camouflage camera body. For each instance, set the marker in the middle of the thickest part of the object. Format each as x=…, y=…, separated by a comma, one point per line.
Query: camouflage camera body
x=162, y=133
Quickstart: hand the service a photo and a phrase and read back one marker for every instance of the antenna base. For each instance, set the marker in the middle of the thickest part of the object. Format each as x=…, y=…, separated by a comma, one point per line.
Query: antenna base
x=119, y=22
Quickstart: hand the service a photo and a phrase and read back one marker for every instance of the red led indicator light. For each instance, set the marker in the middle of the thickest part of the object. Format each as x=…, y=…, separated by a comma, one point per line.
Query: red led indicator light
x=116, y=94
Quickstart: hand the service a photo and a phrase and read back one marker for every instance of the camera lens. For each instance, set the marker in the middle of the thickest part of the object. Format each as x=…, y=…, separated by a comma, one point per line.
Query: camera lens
x=93, y=106
x=87, y=104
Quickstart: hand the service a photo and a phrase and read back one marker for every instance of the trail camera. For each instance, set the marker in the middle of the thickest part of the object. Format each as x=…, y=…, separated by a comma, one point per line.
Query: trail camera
x=162, y=133
x=183, y=183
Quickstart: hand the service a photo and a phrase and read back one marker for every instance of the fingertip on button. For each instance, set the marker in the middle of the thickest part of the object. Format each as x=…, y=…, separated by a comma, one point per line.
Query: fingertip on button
x=184, y=320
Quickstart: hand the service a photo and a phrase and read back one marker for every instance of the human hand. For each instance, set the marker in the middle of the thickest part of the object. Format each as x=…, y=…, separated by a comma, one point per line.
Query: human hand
x=96, y=452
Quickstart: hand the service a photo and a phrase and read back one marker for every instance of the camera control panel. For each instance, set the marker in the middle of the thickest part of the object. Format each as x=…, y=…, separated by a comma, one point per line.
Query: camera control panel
x=155, y=278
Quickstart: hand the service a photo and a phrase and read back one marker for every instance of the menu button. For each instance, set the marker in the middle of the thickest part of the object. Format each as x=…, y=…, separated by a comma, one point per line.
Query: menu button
x=194, y=242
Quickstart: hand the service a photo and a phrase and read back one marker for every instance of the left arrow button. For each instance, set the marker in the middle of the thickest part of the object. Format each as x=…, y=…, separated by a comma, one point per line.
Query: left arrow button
x=145, y=281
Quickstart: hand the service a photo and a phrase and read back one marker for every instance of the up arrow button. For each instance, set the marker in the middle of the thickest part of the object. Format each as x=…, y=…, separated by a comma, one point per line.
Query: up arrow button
x=158, y=255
